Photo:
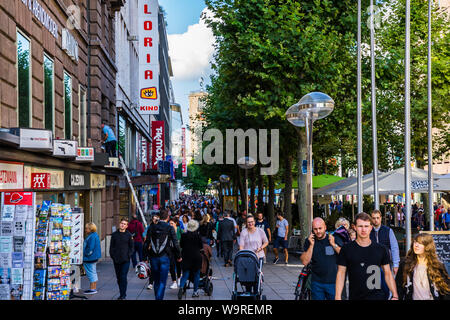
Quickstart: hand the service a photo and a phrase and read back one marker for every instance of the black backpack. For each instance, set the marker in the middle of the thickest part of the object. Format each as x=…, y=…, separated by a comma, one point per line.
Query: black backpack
x=159, y=239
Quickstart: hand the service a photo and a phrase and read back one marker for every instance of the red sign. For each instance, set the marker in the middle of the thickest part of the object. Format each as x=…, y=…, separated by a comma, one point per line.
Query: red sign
x=183, y=152
x=157, y=143
x=40, y=181
x=19, y=198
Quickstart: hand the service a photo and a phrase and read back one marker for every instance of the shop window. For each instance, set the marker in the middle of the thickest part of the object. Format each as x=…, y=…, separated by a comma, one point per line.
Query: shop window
x=49, y=109
x=67, y=106
x=24, y=80
x=83, y=118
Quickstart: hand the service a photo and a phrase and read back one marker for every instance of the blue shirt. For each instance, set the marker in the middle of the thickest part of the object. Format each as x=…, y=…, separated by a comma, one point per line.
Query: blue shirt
x=91, y=248
x=282, y=227
x=107, y=130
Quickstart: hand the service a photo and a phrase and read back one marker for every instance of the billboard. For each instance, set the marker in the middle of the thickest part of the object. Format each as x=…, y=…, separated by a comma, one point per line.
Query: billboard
x=183, y=152
x=149, y=100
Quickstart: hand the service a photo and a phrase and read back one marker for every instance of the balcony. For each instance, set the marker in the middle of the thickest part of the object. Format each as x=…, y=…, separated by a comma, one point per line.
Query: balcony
x=117, y=4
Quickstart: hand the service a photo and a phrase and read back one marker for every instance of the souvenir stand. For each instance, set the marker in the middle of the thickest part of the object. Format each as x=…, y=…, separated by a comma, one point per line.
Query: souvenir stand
x=17, y=232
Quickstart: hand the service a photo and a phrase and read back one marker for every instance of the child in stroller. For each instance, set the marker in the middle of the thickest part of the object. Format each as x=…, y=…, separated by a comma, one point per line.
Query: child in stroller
x=205, y=272
x=248, y=273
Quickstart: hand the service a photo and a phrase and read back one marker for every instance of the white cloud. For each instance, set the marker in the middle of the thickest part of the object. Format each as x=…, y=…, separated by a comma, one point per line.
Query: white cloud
x=191, y=52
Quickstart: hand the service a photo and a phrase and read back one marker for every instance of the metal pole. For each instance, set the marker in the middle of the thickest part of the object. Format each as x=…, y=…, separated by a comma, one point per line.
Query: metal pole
x=407, y=126
x=246, y=191
x=430, y=124
x=374, y=110
x=309, y=187
x=358, y=115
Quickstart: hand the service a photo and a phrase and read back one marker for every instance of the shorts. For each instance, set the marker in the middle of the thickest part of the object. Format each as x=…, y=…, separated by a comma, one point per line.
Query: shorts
x=280, y=242
x=91, y=271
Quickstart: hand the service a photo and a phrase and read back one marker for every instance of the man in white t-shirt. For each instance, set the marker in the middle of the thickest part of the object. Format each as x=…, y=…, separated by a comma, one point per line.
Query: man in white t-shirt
x=282, y=231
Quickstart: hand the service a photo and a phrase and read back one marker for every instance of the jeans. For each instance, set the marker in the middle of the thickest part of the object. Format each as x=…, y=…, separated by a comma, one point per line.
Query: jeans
x=322, y=291
x=91, y=271
x=110, y=148
x=227, y=247
x=137, y=249
x=121, y=274
x=160, y=270
x=175, y=268
x=185, y=278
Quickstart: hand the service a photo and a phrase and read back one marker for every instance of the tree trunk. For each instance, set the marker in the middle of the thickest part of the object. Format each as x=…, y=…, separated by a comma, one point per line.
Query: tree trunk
x=260, y=191
x=241, y=189
x=301, y=201
x=252, y=189
x=288, y=190
x=270, y=207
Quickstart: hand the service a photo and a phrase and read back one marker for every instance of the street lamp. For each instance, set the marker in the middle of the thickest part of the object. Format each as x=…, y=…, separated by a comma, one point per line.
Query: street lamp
x=313, y=106
x=246, y=163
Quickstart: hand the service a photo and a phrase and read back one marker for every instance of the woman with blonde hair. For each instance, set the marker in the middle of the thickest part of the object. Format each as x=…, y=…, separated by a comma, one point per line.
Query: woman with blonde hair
x=342, y=226
x=91, y=253
x=422, y=276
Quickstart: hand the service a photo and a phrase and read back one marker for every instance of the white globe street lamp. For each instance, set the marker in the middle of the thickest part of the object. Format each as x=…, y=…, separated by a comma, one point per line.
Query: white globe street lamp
x=313, y=106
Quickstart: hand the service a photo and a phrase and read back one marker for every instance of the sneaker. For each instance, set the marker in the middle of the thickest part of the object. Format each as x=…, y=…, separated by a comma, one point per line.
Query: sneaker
x=150, y=287
x=275, y=260
x=265, y=260
x=174, y=285
x=195, y=294
x=121, y=298
x=180, y=293
x=90, y=291
x=285, y=262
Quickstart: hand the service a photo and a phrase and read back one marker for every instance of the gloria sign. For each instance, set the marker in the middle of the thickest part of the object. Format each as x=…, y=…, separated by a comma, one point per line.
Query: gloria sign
x=148, y=57
x=158, y=143
x=11, y=176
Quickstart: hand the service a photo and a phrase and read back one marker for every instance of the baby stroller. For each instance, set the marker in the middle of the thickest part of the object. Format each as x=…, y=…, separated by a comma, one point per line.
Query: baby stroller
x=205, y=274
x=248, y=273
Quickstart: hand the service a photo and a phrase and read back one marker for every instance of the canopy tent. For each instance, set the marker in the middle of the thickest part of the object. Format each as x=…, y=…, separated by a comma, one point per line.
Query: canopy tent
x=392, y=182
x=318, y=181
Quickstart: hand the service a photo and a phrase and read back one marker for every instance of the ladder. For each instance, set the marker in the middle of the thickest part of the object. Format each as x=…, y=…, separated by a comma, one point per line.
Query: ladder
x=124, y=167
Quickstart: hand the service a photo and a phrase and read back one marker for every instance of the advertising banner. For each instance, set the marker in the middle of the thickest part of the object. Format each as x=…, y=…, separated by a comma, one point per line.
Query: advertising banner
x=149, y=100
x=158, y=143
x=11, y=176
x=183, y=152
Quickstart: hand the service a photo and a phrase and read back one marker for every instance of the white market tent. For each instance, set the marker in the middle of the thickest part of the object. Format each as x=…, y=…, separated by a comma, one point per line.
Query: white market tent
x=392, y=182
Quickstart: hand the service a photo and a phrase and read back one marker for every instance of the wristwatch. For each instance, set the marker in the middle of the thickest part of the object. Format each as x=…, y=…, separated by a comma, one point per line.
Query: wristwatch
x=335, y=246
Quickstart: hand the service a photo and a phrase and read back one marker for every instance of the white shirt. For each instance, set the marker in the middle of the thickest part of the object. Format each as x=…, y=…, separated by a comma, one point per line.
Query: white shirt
x=421, y=286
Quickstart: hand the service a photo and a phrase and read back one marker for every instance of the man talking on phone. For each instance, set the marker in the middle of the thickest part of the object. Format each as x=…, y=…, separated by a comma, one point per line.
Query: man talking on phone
x=321, y=249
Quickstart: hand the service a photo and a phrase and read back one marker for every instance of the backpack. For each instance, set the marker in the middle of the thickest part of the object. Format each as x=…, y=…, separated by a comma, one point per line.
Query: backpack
x=159, y=239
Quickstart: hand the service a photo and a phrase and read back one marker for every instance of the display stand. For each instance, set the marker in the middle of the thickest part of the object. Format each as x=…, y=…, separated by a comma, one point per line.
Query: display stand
x=76, y=254
x=17, y=228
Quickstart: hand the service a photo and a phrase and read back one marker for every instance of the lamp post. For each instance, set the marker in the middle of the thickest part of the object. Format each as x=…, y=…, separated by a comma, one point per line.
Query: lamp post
x=246, y=163
x=223, y=179
x=313, y=106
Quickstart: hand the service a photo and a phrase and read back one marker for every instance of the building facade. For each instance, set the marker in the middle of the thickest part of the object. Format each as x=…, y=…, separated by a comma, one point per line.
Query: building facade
x=196, y=105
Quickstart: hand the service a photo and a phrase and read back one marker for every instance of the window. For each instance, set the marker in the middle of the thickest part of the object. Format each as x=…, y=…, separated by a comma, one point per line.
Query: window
x=82, y=138
x=122, y=137
x=67, y=106
x=24, y=80
x=48, y=94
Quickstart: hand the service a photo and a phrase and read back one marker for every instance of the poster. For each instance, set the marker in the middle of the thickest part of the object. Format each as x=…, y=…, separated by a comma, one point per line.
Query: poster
x=6, y=244
x=5, y=260
x=19, y=228
x=21, y=212
x=19, y=244
x=16, y=276
x=4, y=275
x=8, y=213
x=4, y=291
x=7, y=228
x=17, y=260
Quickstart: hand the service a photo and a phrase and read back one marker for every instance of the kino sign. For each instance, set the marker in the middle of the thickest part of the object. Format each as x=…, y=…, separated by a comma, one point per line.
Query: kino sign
x=148, y=57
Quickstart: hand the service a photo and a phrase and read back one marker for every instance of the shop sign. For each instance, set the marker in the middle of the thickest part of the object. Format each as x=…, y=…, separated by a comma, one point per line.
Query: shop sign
x=85, y=154
x=158, y=143
x=183, y=152
x=18, y=198
x=56, y=177
x=11, y=176
x=40, y=181
x=65, y=148
x=98, y=181
x=76, y=180
x=33, y=139
x=149, y=99
x=69, y=45
x=36, y=8
x=113, y=163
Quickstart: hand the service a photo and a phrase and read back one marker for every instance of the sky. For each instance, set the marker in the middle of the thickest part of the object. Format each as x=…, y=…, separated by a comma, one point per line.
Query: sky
x=190, y=50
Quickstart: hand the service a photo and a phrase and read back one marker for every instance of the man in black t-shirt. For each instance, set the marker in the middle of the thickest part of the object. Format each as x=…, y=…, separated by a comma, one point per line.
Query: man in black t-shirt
x=363, y=259
x=262, y=223
x=321, y=250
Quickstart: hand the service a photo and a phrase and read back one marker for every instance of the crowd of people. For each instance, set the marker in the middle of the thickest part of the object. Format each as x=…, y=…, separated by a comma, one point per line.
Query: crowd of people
x=357, y=261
